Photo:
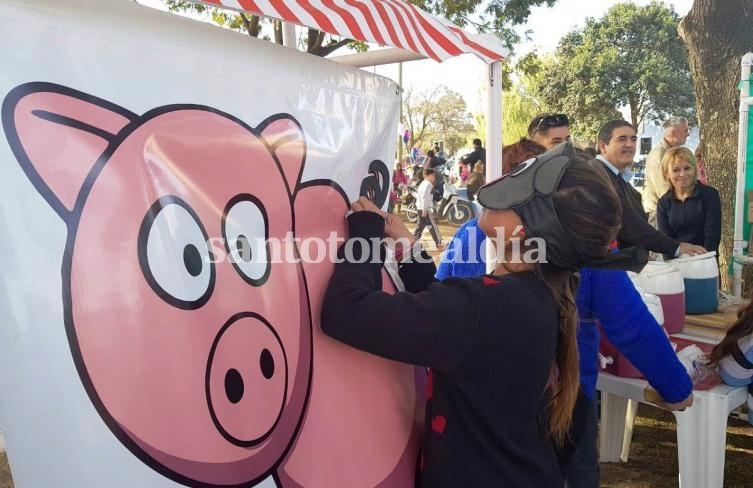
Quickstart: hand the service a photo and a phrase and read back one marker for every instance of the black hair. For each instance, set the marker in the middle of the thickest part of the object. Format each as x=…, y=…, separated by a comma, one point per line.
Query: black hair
x=552, y=120
x=606, y=130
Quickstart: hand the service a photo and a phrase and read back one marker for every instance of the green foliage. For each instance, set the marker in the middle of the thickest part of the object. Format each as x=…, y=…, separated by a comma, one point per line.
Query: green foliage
x=521, y=102
x=438, y=115
x=479, y=120
x=632, y=57
x=518, y=110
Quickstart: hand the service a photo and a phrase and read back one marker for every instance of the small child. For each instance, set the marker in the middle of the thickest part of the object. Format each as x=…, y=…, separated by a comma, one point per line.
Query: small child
x=399, y=183
x=424, y=205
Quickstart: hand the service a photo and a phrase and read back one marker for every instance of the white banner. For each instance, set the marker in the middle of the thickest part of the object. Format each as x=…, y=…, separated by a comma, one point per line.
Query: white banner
x=165, y=189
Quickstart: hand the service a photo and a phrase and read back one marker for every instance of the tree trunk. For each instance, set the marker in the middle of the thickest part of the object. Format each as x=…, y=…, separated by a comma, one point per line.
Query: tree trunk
x=717, y=34
x=314, y=40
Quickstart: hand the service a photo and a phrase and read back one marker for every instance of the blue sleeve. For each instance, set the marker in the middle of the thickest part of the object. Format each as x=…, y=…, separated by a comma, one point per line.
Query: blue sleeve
x=588, y=336
x=583, y=298
x=632, y=329
x=464, y=256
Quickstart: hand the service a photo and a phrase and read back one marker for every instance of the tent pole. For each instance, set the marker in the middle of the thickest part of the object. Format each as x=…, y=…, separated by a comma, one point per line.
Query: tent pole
x=376, y=57
x=493, y=139
x=494, y=122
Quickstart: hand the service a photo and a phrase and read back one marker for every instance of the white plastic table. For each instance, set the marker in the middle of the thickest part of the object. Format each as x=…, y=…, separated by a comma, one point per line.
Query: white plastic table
x=701, y=429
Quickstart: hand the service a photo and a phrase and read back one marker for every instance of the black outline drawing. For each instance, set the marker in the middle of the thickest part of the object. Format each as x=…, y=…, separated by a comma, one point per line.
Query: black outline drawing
x=376, y=184
x=143, y=241
x=217, y=423
x=247, y=197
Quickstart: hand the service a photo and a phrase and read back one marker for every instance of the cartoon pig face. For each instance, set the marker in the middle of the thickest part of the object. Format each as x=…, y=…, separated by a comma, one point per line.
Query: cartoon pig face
x=199, y=365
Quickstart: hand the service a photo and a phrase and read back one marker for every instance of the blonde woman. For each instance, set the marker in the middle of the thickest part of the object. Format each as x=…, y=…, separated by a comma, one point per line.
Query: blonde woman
x=690, y=211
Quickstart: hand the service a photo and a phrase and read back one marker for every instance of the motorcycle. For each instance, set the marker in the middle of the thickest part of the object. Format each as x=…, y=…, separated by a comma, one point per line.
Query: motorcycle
x=454, y=206
x=409, y=206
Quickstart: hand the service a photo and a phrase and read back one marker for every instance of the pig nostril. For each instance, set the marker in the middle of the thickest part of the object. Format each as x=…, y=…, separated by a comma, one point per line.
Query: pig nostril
x=233, y=386
x=244, y=248
x=267, y=363
x=192, y=260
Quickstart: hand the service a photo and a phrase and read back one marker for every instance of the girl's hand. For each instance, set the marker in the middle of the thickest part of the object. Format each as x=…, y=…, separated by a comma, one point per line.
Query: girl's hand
x=393, y=226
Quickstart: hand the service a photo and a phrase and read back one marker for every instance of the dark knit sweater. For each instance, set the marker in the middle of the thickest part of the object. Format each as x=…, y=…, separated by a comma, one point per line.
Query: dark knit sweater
x=697, y=220
x=608, y=296
x=490, y=343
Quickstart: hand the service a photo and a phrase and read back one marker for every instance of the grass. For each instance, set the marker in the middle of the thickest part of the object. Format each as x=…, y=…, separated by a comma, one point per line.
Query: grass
x=653, y=454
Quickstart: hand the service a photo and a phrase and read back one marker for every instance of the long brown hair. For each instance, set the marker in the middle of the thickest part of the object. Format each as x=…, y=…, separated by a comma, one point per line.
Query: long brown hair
x=590, y=213
x=742, y=328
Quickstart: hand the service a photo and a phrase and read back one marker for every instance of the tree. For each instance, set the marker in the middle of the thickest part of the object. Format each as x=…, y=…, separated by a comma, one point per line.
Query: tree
x=717, y=34
x=632, y=57
x=521, y=102
x=437, y=115
x=494, y=16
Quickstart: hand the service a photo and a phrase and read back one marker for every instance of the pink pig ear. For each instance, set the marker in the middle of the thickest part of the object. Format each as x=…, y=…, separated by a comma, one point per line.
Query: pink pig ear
x=58, y=134
x=284, y=136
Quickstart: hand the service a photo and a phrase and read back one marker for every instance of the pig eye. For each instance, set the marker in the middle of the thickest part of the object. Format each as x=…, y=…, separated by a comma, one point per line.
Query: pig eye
x=174, y=256
x=246, y=230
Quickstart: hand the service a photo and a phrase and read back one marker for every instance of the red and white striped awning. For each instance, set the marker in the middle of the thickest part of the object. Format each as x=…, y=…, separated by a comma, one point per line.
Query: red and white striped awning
x=395, y=23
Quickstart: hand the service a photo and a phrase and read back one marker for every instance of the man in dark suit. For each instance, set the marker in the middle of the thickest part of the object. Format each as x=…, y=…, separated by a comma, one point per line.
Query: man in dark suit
x=616, y=144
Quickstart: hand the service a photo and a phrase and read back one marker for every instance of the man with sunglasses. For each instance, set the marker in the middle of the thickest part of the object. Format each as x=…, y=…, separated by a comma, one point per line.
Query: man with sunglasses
x=548, y=130
x=544, y=132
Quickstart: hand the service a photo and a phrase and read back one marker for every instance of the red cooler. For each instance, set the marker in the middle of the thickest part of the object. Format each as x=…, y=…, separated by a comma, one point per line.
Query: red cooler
x=665, y=281
x=619, y=364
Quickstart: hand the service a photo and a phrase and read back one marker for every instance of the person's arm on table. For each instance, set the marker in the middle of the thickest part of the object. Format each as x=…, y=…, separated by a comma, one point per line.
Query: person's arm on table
x=630, y=326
